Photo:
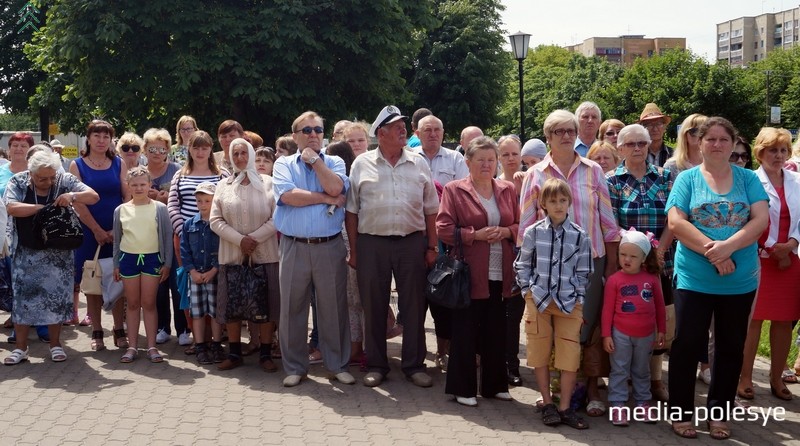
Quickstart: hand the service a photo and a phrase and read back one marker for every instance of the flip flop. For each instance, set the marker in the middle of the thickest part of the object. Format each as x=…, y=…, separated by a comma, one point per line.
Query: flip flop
x=57, y=354
x=595, y=408
x=789, y=377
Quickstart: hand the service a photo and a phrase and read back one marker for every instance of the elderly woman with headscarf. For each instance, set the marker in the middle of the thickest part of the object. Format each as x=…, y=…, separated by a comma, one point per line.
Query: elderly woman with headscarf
x=42, y=276
x=241, y=214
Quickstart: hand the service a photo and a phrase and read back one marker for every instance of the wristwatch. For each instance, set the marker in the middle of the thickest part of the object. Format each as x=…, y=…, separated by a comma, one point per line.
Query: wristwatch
x=313, y=160
x=433, y=248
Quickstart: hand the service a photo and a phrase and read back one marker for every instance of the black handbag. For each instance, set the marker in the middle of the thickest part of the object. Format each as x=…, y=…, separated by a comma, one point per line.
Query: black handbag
x=58, y=227
x=448, y=282
x=242, y=292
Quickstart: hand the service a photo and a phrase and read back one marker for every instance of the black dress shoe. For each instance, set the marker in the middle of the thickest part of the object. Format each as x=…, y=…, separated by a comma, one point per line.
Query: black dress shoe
x=514, y=379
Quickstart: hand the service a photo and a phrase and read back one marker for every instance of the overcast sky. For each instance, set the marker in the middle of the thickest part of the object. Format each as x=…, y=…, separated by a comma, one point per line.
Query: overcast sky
x=567, y=22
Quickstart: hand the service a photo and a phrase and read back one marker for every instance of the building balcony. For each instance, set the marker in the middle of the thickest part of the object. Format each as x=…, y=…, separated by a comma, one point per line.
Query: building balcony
x=736, y=40
x=735, y=54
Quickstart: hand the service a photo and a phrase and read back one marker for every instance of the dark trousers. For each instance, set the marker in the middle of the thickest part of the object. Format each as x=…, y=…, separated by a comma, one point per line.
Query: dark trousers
x=514, y=308
x=378, y=258
x=163, y=299
x=442, y=320
x=693, y=312
x=480, y=329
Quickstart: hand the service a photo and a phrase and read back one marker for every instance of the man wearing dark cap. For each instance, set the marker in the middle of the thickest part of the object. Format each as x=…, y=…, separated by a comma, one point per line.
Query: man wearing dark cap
x=656, y=124
x=390, y=221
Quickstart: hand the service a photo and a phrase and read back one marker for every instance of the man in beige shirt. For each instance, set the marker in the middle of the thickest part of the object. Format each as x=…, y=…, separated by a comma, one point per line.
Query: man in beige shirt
x=390, y=221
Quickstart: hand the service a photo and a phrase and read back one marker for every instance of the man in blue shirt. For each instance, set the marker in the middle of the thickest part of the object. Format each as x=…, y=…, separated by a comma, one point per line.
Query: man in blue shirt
x=589, y=118
x=311, y=190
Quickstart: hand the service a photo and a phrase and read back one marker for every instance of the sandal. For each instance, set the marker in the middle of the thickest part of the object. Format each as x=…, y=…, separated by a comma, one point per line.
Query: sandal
x=789, y=377
x=550, y=415
x=16, y=357
x=595, y=408
x=87, y=321
x=120, y=339
x=154, y=356
x=783, y=393
x=190, y=350
x=129, y=356
x=718, y=430
x=57, y=354
x=684, y=429
x=573, y=420
x=746, y=393
x=97, y=341
x=315, y=356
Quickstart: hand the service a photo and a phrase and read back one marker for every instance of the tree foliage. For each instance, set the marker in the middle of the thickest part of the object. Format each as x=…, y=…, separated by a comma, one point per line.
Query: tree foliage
x=142, y=63
x=17, y=80
x=461, y=67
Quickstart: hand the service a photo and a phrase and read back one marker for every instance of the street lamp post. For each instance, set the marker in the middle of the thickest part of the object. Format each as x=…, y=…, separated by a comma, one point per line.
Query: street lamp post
x=519, y=46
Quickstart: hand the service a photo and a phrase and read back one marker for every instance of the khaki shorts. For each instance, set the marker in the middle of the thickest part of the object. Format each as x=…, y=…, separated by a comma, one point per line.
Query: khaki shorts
x=542, y=328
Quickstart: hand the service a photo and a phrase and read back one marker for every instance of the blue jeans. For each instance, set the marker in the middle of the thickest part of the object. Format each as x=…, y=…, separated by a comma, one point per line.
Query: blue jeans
x=631, y=357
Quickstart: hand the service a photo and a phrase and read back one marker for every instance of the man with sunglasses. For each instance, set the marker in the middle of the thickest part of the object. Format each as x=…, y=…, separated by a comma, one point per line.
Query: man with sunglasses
x=656, y=124
x=391, y=228
x=311, y=188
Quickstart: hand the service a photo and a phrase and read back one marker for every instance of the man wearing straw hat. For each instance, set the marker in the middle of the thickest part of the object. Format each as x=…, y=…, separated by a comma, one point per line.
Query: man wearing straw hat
x=656, y=124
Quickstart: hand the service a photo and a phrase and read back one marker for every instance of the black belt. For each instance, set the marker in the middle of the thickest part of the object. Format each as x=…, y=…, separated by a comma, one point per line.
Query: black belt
x=398, y=237
x=313, y=240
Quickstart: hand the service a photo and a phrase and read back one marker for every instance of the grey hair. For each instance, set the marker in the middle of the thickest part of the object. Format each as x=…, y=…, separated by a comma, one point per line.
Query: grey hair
x=588, y=105
x=633, y=130
x=37, y=148
x=43, y=158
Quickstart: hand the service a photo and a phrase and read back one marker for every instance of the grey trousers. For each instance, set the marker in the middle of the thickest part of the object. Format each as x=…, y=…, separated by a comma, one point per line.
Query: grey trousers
x=631, y=357
x=377, y=259
x=322, y=265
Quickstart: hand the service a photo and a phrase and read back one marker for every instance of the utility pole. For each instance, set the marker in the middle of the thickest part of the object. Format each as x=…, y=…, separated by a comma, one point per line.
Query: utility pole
x=766, y=99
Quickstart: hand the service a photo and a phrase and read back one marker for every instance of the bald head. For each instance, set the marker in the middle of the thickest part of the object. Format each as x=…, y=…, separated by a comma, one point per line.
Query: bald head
x=430, y=132
x=468, y=134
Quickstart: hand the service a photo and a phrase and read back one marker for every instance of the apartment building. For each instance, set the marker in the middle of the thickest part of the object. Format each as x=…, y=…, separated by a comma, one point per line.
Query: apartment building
x=623, y=50
x=749, y=39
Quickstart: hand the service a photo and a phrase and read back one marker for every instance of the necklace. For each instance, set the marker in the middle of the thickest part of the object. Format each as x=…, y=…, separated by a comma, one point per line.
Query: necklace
x=96, y=164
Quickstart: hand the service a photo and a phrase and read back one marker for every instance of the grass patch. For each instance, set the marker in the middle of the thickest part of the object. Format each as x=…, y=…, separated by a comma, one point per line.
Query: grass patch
x=763, y=343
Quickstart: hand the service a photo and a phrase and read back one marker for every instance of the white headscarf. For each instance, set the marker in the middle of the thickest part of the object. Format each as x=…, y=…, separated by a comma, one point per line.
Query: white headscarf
x=645, y=241
x=249, y=172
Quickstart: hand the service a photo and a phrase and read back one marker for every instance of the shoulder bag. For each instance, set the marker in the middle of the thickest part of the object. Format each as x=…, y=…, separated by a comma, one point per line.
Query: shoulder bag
x=448, y=281
x=57, y=226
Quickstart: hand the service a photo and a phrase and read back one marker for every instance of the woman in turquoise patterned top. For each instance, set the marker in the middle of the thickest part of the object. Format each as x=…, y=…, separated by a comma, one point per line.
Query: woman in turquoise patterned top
x=717, y=212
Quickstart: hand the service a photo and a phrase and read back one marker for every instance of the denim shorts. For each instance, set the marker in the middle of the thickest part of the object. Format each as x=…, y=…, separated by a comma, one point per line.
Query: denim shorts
x=134, y=265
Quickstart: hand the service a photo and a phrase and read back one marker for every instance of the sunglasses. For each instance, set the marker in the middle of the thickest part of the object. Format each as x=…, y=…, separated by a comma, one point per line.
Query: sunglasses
x=128, y=148
x=639, y=144
x=308, y=130
x=739, y=156
x=693, y=131
x=157, y=150
x=611, y=132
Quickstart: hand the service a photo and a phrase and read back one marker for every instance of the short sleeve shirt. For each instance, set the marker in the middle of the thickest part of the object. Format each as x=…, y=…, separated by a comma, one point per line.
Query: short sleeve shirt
x=718, y=216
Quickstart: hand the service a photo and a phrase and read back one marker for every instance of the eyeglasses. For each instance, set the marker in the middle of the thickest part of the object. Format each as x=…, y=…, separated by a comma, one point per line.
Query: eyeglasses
x=562, y=132
x=157, y=150
x=632, y=145
x=739, y=156
x=130, y=148
x=693, y=131
x=612, y=132
x=653, y=124
x=308, y=130
x=188, y=129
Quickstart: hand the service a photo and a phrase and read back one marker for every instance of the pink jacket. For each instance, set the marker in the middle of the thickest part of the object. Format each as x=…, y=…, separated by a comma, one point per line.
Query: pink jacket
x=461, y=207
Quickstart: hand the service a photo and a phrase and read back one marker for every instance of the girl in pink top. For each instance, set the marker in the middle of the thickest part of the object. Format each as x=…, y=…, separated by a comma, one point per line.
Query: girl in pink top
x=633, y=318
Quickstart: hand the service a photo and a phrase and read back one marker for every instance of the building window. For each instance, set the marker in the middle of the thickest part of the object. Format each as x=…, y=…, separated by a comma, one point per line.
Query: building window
x=762, y=30
x=755, y=45
x=723, y=36
x=762, y=44
x=787, y=24
x=736, y=33
x=722, y=49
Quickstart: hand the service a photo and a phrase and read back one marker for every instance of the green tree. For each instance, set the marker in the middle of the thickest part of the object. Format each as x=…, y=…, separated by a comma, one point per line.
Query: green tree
x=143, y=64
x=681, y=83
x=461, y=67
x=17, y=80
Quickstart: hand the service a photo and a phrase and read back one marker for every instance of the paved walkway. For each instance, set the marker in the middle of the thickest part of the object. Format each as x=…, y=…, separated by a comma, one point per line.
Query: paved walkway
x=93, y=399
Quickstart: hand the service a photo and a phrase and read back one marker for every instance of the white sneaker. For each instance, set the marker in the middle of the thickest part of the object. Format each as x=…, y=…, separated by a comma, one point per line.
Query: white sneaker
x=162, y=336
x=705, y=376
x=184, y=339
x=470, y=401
x=503, y=396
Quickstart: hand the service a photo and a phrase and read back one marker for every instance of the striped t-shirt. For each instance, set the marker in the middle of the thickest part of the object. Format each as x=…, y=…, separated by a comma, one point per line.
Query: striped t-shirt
x=181, y=203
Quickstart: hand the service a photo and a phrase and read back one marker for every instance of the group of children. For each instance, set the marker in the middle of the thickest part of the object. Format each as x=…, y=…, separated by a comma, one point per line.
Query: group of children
x=143, y=251
x=553, y=269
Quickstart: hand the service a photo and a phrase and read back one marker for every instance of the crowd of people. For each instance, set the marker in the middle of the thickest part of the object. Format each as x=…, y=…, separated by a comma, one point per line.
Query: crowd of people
x=611, y=246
